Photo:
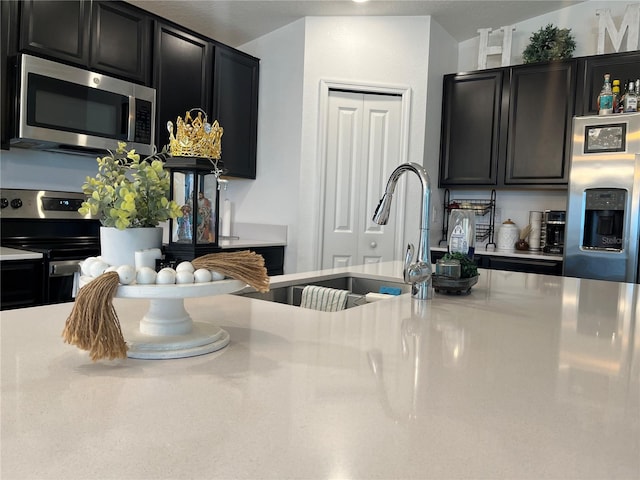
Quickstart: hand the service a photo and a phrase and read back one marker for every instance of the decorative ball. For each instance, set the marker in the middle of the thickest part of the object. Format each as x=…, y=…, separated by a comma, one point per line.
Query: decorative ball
x=85, y=267
x=202, y=275
x=97, y=268
x=166, y=276
x=146, y=276
x=215, y=276
x=185, y=267
x=127, y=274
x=184, y=277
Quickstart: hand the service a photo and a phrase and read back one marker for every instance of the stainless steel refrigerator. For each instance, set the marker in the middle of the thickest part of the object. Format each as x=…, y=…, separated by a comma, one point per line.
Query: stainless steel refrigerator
x=603, y=207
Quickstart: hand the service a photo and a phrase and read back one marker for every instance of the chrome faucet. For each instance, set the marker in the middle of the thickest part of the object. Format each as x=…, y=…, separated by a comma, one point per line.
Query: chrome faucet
x=417, y=273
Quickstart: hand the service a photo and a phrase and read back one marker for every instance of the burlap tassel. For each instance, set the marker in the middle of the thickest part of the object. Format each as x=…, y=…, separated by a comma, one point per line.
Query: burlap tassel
x=244, y=265
x=93, y=324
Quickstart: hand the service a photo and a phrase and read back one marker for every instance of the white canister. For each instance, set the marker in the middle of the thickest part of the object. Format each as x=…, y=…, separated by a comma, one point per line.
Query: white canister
x=508, y=235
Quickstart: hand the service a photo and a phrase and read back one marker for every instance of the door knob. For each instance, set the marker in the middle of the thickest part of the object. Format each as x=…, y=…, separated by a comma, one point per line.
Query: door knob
x=373, y=245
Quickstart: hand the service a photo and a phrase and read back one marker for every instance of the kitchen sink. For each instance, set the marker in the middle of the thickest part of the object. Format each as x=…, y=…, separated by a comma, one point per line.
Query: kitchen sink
x=357, y=286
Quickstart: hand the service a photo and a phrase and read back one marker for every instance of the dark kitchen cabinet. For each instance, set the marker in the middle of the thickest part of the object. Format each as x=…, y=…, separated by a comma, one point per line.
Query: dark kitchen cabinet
x=508, y=127
x=108, y=37
x=192, y=72
x=56, y=29
x=235, y=106
x=546, y=266
x=121, y=41
x=538, y=131
x=182, y=76
x=8, y=45
x=21, y=283
x=622, y=66
x=511, y=264
x=273, y=257
x=471, y=112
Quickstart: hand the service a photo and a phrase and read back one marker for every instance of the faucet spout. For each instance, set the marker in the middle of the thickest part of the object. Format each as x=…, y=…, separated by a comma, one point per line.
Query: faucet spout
x=418, y=272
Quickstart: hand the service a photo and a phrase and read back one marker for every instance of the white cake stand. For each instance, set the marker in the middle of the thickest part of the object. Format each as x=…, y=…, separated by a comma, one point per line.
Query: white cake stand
x=167, y=330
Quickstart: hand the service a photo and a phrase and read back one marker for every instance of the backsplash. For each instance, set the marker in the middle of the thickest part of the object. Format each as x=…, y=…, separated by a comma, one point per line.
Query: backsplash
x=53, y=171
x=33, y=169
x=514, y=205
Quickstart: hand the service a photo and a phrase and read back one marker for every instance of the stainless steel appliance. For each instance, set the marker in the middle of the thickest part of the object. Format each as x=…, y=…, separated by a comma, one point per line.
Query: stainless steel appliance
x=66, y=108
x=553, y=226
x=48, y=222
x=603, y=209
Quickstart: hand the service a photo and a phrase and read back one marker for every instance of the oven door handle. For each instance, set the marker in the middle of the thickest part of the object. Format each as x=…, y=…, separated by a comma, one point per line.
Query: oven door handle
x=63, y=268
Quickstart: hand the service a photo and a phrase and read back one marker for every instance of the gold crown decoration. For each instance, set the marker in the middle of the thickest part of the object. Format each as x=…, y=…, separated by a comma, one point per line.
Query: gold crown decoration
x=195, y=137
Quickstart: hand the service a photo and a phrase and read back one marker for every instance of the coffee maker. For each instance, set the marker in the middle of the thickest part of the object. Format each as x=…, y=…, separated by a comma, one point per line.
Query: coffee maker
x=552, y=238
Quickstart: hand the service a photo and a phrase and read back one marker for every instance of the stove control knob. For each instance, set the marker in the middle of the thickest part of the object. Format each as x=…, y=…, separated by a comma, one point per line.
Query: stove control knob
x=4, y=203
x=16, y=203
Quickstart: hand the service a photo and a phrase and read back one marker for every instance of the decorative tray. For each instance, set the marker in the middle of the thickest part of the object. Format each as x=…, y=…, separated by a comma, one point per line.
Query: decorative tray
x=167, y=330
x=457, y=286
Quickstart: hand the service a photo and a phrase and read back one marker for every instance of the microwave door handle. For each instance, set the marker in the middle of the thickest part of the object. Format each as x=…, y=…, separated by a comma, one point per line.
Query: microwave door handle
x=131, y=124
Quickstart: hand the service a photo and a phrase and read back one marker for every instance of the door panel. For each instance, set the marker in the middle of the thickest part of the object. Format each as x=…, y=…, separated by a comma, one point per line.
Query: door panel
x=363, y=147
x=343, y=148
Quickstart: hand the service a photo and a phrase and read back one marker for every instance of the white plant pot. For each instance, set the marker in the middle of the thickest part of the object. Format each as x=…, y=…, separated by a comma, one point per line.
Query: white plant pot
x=118, y=247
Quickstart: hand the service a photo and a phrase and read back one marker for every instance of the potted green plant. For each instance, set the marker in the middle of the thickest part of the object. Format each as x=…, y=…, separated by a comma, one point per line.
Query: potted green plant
x=129, y=196
x=549, y=43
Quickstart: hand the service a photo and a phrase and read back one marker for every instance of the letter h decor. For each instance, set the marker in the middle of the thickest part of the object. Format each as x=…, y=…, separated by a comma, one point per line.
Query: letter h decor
x=485, y=50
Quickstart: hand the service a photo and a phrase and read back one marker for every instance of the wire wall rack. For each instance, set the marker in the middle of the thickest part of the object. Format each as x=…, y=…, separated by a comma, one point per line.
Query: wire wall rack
x=485, y=210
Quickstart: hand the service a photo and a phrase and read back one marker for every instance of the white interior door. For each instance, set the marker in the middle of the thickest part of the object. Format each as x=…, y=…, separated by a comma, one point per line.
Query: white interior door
x=363, y=148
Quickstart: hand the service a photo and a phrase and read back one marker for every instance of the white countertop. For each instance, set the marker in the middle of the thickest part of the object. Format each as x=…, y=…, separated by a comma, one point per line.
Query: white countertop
x=245, y=235
x=530, y=254
x=7, y=253
x=248, y=243
x=529, y=377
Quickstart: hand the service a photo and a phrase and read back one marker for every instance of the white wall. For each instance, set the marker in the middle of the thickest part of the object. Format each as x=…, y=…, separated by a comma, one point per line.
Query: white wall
x=273, y=198
x=383, y=51
x=442, y=60
x=580, y=18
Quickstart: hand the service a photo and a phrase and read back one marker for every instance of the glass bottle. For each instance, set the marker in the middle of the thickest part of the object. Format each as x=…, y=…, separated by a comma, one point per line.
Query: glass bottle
x=605, y=99
x=631, y=99
x=616, y=96
x=462, y=233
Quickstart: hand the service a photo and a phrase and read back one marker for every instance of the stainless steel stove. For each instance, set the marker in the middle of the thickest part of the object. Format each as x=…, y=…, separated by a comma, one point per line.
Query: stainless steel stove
x=48, y=222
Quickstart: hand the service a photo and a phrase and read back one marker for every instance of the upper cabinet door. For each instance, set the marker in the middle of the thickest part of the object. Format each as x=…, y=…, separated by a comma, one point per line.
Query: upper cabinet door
x=182, y=66
x=235, y=106
x=109, y=37
x=121, y=41
x=471, y=112
x=56, y=29
x=541, y=105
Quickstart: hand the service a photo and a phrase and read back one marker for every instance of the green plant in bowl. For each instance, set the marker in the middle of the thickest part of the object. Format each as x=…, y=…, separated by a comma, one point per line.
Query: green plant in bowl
x=128, y=192
x=468, y=268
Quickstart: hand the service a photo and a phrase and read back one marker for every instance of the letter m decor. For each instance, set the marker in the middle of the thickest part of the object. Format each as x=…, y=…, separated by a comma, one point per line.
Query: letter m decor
x=630, y=22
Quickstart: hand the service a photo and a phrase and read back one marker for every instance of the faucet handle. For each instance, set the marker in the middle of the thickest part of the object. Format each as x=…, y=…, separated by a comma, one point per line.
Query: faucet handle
x=407, y=261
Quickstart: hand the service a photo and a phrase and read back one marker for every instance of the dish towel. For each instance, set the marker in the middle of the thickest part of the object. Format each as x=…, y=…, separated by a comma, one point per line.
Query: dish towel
x=323, y=298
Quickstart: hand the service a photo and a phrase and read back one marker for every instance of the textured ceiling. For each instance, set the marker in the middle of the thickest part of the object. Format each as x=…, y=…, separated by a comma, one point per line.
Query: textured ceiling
x=235, y=22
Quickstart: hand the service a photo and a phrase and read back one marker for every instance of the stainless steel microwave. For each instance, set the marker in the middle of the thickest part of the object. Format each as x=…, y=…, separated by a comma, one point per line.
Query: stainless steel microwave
x=69, y=109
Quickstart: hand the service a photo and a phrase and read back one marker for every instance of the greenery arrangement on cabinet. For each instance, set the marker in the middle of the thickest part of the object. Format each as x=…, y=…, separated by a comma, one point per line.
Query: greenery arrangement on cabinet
x=128, y=192
x=549, y=43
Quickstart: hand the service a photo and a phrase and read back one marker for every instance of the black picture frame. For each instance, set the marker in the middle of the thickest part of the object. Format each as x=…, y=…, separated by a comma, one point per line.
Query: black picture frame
x=606, y=138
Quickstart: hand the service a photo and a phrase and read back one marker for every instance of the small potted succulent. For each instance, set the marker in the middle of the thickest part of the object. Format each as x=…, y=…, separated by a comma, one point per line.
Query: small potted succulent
x=129, y=195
